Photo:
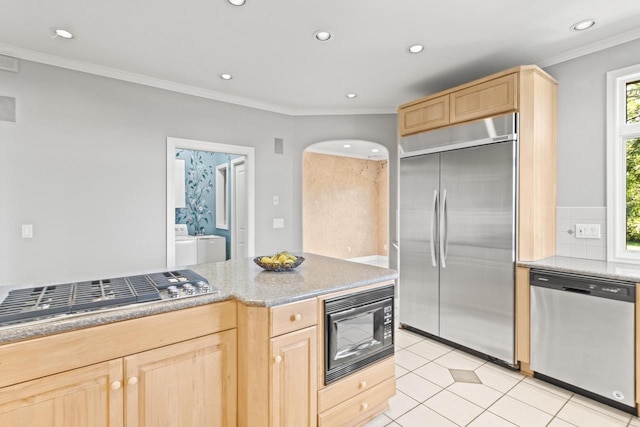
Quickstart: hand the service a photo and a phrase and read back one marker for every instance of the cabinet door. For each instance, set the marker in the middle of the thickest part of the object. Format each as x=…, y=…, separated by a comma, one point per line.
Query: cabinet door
x=425, y=115
x=192, y=383
x=485, y=99
x=90, y=396
x=294, y=379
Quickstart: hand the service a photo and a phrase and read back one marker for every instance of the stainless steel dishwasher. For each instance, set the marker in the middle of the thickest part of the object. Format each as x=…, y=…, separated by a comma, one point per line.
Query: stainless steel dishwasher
x=582, y=335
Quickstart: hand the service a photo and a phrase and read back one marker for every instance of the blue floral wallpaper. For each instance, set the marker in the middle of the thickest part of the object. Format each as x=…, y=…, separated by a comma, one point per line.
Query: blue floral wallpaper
x=200, y=197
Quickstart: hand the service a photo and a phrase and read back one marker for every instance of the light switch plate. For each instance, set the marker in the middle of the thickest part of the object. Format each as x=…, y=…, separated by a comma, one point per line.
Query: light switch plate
x=27, y=231
x=275, y=200
x=278, y=222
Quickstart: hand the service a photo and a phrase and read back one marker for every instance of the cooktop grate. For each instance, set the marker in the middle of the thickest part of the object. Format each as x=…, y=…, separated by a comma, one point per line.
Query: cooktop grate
x=36, y=302
x=102, y=293
x=176, y=278
x=46, y=301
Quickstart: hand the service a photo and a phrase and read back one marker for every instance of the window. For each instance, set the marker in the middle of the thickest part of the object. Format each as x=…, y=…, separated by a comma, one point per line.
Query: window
x=623, y=164
x=222, y=197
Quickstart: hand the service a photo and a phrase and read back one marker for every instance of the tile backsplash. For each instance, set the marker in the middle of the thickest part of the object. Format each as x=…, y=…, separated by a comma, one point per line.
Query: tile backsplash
x=567, y=244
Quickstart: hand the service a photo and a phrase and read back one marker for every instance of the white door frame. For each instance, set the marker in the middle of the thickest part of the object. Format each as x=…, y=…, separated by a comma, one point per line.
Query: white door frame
x=234, y=164
x=191, y=144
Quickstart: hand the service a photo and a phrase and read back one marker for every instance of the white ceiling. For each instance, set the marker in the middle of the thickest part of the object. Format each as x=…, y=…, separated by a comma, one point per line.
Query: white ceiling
x=267, y=45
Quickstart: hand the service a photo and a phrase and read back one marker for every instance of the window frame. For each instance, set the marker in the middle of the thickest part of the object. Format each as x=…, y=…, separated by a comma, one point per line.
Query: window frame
x=222, y=196
x=618, y=132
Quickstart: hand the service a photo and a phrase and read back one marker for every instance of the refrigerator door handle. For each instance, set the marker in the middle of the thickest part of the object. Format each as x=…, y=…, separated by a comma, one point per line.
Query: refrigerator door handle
x=443, y=230
x=434, y=212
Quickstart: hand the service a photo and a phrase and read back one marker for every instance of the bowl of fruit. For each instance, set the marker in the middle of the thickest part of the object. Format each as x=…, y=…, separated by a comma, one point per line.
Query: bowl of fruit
x=282, y=261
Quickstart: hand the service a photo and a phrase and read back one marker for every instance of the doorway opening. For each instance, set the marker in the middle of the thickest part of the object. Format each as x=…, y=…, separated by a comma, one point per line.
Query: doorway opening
x=207, y=208
x=345, y=201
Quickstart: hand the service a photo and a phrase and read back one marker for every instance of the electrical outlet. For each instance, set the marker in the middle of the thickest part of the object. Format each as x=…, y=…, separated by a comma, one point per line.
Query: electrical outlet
x=587, y=231
x=278, y=222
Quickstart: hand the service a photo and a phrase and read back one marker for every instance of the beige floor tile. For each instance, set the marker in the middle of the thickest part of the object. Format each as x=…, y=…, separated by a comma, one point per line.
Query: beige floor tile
x=429, y=349
x=422, y=416
x=416, y=387
x=496, y=379
x=456, y=360
x=479, y=394
x=379, y=421
x=538, y=398
x=557, y=422
x=453, y=407
x=399, y=404
x=548, y=387
x=409, y=360
x=601, y=407
x=409, y=333
x=436, y=374
x=405, y=339
x=635, y=422
x=394, y=424
x=587, y=417
x=487, y=419
x=520, y=413
x=400, y=371
x=469, y=356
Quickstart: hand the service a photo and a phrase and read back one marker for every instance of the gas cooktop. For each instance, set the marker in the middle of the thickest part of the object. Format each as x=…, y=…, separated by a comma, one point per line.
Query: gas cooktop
x=23, y=305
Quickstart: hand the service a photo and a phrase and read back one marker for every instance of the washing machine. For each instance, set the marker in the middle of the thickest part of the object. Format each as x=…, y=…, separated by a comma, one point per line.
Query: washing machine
x=186, y=247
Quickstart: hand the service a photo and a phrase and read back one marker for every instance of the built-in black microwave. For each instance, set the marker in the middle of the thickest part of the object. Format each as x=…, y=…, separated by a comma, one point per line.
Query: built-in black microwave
x=358, y=331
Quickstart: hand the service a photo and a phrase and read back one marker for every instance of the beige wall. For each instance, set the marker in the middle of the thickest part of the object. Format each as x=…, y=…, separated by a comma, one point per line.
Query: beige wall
x=345, y=205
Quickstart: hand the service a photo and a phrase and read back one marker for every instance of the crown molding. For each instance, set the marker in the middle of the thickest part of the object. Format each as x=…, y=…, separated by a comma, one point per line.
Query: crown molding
x=113, y=73
x=590, y=48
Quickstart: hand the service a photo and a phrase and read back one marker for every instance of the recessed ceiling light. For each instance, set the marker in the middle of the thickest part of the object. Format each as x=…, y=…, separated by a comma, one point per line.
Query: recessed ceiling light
x=322, y=35
x=236, y=2
x=60, y=32
x=374, y=150
x=351, y=95
x=416, y=48
x=347, y=145
x=583, y=25
x=226, y=76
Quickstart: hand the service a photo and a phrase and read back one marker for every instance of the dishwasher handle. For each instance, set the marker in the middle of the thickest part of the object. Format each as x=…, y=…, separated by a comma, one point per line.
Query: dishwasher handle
x=576, y=290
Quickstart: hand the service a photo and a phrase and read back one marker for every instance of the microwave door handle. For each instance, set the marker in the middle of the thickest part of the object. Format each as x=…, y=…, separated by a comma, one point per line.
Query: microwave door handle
x=443, y=230
x=434, y=212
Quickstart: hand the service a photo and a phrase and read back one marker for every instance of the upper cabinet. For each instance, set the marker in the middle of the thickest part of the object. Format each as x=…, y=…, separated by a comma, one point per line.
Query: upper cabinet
x=425, y=115
x=485, y=99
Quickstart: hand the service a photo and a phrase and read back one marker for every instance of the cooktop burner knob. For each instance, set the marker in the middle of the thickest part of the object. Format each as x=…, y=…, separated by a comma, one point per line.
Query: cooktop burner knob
x=203, y=286
x=189, y=289
x=173, y=291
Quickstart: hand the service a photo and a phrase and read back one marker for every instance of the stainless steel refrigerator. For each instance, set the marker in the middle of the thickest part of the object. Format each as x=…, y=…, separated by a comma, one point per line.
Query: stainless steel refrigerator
x=457, y=234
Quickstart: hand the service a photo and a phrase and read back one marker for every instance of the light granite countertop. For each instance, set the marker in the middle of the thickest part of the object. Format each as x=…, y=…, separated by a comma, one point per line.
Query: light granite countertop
x=609, y=270
x=241, y=280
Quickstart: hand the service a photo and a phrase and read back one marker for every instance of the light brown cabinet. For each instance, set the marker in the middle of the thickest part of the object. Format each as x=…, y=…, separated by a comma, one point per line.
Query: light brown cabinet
x=293, y=379
x=138, y=371
x=425, y=115
x=277, y=359
x=192, y=383
x=486, y=99
x=89, y=396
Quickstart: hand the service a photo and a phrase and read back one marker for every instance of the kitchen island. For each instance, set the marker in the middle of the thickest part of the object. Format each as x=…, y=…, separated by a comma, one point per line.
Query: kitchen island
x=249, y=355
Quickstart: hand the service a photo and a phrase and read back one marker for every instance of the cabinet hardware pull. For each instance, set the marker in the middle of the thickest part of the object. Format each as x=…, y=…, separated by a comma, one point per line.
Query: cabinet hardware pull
x=364, y=406
x=277, y=359
x=363, y=384
x=115, y=385
x=296, y=316
x=132, y=381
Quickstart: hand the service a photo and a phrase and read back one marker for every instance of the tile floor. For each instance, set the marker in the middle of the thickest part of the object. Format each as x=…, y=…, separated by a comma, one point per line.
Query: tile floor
x=484, y=395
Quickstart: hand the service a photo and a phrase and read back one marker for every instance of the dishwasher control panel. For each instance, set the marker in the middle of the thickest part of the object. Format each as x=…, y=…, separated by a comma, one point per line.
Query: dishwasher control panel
x=588, y=285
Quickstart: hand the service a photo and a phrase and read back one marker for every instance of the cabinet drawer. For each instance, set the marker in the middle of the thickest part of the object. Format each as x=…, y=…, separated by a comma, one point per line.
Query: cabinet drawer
x=356, y=408
x=428, y=114
x=485, y=99
x=355, y=383
x=294, y=316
